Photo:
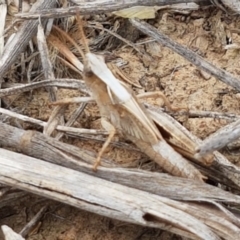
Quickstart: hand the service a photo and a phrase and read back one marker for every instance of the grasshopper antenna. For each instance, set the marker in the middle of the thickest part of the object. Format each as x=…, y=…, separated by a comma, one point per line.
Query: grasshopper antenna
x=82, y=34
x=71, y=41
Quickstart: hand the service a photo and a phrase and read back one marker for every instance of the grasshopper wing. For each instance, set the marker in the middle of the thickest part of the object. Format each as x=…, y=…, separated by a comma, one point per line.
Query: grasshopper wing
x=130, y=125
x=136, y=122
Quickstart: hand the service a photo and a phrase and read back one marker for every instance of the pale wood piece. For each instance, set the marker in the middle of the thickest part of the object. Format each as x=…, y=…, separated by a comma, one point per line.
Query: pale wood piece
x=49, y=149
x=9, y=234
x=113, y=200
x=55, y=119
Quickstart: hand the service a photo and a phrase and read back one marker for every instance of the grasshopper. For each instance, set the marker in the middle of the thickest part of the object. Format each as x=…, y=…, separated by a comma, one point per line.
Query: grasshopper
x=122, y=113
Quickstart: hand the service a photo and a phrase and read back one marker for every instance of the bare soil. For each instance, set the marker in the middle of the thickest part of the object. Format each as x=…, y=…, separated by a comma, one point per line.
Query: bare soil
x=205, y=32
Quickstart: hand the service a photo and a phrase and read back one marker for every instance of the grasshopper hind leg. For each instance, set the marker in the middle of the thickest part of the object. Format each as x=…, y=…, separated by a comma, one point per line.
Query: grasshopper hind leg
x=112, y=131
x=164, y=98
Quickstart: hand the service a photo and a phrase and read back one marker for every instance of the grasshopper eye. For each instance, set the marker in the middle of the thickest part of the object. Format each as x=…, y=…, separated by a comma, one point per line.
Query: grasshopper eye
x=88, y=72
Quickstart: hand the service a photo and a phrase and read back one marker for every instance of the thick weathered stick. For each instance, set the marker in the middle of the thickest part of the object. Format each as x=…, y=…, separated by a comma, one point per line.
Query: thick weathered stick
x=111, y=199
x=98, y=7
x=209, y=114
x=43, y=147
x=63, y=83
x=22, y=37
x=188, y=54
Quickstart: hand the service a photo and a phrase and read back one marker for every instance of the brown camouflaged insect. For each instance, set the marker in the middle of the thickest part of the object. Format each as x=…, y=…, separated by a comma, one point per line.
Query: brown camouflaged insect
x=122, y=113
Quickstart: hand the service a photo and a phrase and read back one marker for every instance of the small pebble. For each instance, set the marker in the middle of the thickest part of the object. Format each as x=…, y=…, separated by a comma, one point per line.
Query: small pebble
x=205, y=75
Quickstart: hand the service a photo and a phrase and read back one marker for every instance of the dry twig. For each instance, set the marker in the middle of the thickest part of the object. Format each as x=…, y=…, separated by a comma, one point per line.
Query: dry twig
x=219, y=139
x=63, y=83
x=191, y=56
x=98, y=7
x=30, y=225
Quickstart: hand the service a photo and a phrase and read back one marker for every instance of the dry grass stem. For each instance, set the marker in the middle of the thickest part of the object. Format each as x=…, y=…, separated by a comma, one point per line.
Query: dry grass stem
x=74, y=116
x=98, y=7
x=62, y=83
x=20, y=40
x=65, y=129
x=29, y=227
